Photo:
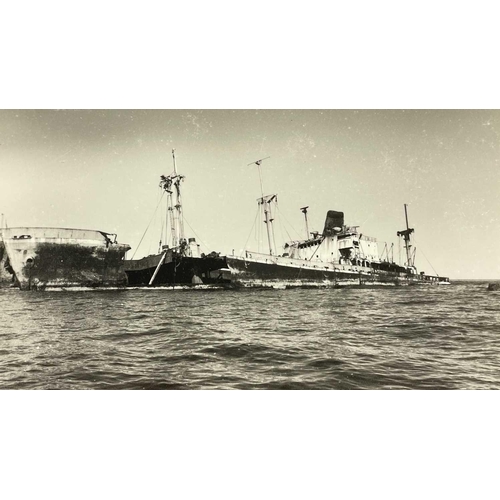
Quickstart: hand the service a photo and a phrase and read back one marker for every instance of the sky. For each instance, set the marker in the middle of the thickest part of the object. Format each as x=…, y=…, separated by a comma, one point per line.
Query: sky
x=100, y=169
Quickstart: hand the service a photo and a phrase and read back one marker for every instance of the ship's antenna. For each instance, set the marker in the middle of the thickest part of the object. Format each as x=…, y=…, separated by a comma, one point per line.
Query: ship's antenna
x=258, y=163
x=405, y=234
x=265, y=202
x=304, y=211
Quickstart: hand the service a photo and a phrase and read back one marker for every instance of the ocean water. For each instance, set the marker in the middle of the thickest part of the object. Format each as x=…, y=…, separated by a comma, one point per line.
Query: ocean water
x=428, y=337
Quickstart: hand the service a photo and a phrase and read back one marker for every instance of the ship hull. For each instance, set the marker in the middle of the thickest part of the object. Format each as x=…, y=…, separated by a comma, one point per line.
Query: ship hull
x=6, y=273
x=273, y=271
x=42, y=258
x=176, y=270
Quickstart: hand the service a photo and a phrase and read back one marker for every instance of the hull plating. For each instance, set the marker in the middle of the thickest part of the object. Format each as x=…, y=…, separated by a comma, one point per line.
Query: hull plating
x=176, y=270
x=286, y=272
x=6, y=272
x=54, y=257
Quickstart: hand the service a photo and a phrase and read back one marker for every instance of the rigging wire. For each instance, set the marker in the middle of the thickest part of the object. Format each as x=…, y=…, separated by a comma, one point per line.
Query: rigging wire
x=194, y=232
x=414, y=239
x=250, y=234
x=281, y=213
x=151, y=235
x=281, y=226
x=287, y=233
x=137, y=248
x=163, y=227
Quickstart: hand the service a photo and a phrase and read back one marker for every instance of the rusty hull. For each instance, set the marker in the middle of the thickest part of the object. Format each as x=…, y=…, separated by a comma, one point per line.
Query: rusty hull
x=6, y=273
x=58, y=258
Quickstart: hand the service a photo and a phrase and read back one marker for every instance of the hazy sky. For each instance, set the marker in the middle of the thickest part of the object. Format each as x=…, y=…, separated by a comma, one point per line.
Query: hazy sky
x=100, y=170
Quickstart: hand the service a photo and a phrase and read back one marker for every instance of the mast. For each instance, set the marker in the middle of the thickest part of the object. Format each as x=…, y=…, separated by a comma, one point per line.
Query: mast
x=304, y=211
x=178, y=205
x=265, y=203
x=405, y=234
x=170, y=210
x=174, y=211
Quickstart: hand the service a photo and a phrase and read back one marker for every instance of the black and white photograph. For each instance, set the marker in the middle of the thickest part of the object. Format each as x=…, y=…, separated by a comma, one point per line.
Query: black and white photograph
x=249, y=250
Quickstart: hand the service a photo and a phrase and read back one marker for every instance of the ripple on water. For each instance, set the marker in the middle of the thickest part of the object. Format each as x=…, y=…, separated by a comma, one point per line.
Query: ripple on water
x=387, y=338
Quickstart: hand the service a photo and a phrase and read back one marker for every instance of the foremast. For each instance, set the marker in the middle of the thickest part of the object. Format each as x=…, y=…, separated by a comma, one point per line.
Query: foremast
x=171, y=184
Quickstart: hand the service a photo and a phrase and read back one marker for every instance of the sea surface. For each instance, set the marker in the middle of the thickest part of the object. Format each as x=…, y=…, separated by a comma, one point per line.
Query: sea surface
x=421, y=337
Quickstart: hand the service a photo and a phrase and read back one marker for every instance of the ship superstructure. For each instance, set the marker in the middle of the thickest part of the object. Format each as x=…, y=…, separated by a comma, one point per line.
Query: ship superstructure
x=340, y=255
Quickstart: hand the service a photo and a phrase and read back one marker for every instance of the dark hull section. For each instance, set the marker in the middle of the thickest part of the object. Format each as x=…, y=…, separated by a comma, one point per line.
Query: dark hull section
x=7, y=277
x=250, y=273
x=51, y=257
x=73, y=265
x=176, y=270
